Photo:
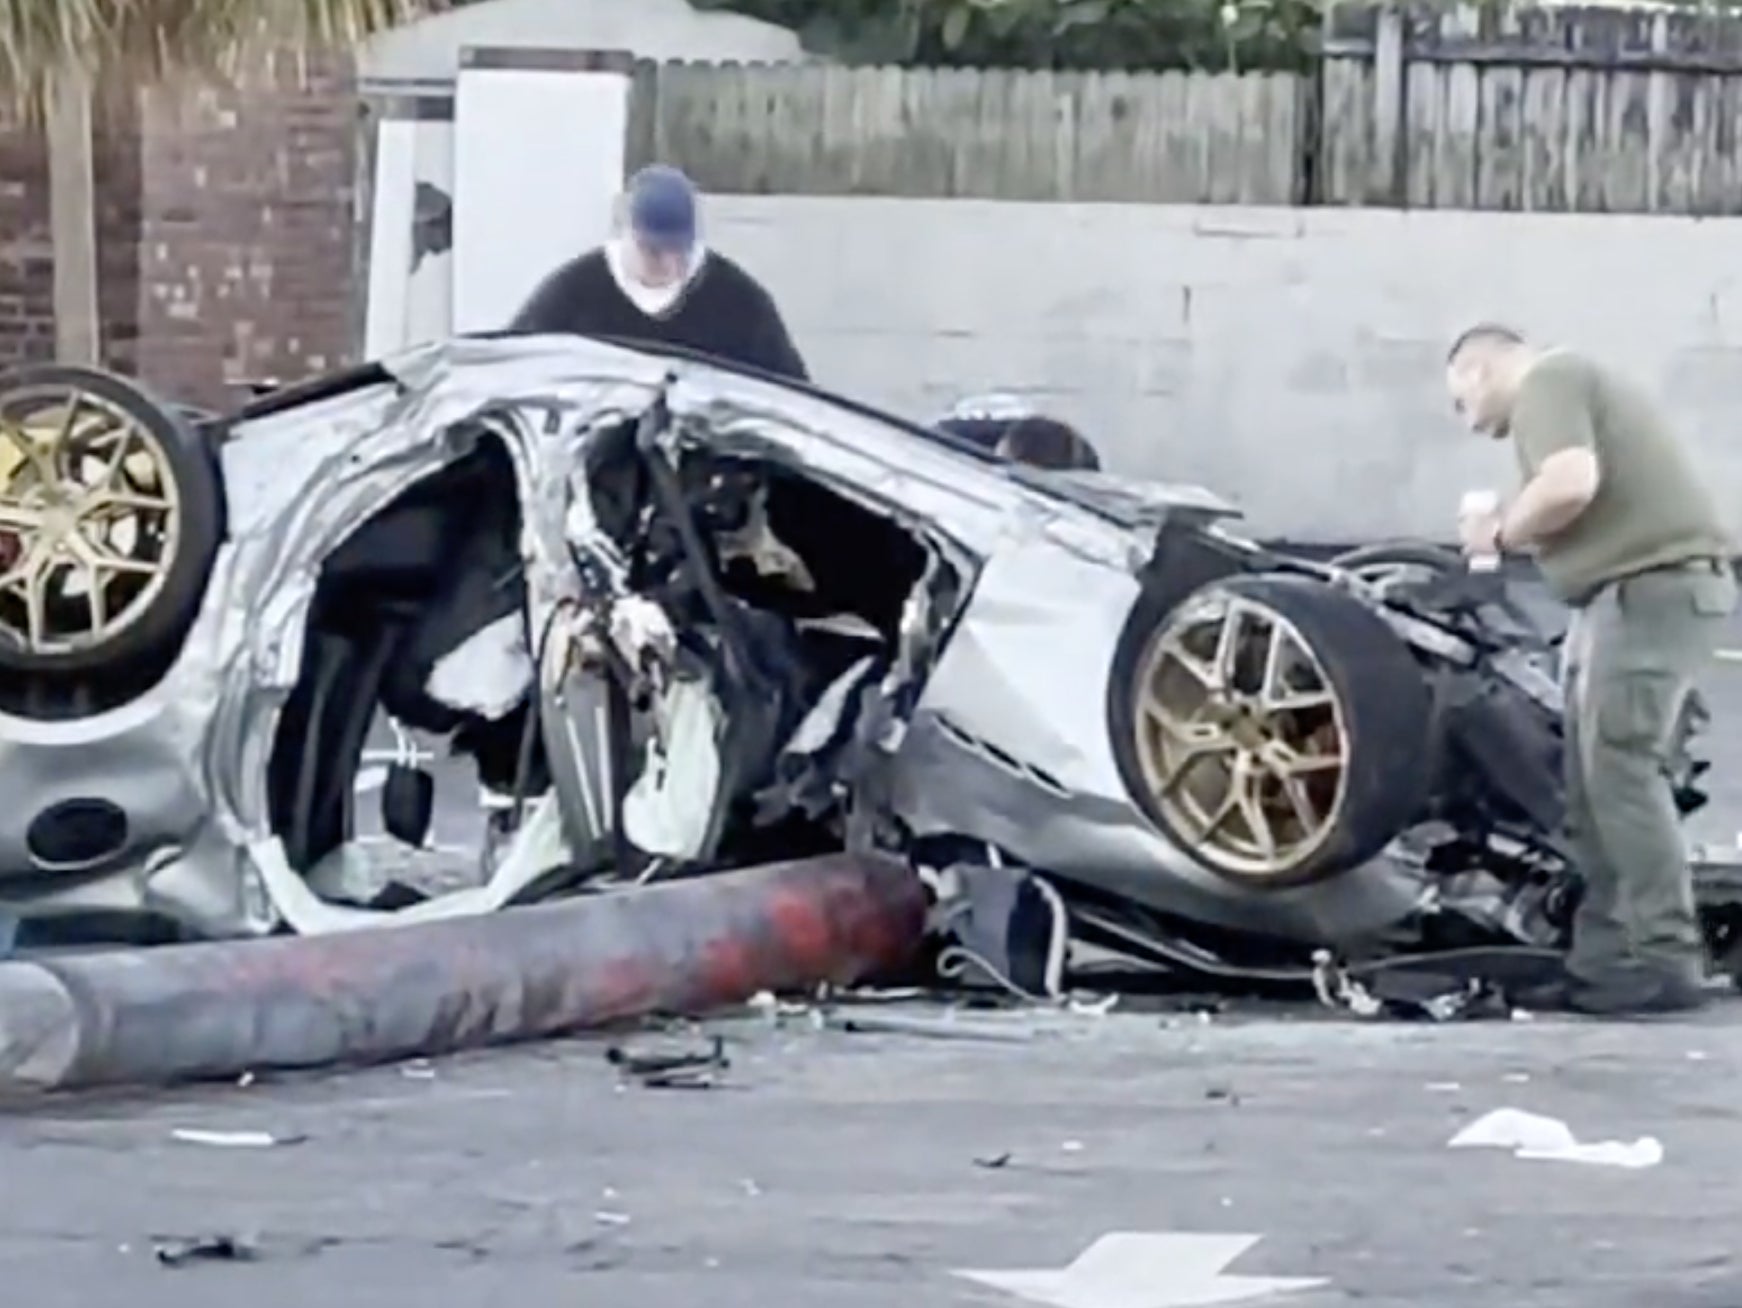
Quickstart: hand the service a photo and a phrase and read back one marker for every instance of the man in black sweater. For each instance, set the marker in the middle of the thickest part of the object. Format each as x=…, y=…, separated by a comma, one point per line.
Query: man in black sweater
x=658, y=284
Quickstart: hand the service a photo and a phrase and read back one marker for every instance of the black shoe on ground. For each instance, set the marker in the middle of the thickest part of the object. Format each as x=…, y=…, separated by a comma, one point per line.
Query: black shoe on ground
x=1626, y=994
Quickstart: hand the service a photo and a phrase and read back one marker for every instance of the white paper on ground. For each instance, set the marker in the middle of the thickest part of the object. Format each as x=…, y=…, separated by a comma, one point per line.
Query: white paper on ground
x=1530, y=1135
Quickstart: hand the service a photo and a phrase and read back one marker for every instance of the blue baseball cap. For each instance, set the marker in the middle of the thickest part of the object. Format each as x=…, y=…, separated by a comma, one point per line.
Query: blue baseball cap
x=662, y=208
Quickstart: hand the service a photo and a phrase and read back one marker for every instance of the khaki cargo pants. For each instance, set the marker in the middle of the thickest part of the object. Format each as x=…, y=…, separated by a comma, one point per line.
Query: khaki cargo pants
x=1632, y=656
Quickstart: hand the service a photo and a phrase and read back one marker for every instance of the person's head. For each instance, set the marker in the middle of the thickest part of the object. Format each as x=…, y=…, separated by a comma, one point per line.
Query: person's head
x=661, y=221
x=1048, y=443
x=1483, y=370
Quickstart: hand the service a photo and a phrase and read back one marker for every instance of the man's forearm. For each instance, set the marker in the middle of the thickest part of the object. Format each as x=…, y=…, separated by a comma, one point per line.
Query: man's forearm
x=1545, y=506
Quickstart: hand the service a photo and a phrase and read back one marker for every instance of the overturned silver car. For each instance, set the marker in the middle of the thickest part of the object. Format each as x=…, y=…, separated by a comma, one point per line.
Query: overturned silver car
x=682, y=617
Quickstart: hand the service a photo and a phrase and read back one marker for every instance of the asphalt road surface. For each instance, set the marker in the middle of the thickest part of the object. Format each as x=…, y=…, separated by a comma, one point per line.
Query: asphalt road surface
x=866, y=1171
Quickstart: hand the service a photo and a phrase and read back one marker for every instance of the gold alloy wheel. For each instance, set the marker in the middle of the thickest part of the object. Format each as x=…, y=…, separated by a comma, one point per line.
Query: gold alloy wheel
x=1241, y=737
x=89, y=518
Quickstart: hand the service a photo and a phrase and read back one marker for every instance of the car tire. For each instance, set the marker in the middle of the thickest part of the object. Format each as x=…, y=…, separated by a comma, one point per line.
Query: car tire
x=156, y=471
x=1431, y=559
x=1370, y=710
x=1428, y=563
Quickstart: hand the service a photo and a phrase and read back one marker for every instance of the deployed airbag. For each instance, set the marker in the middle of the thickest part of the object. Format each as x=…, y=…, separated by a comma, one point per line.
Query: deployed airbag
x=669, y=810
x=488, y=673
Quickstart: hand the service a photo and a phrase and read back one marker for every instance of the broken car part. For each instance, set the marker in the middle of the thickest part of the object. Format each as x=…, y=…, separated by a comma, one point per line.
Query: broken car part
x=216, y=1010
x=179, y=1252
x=685, y=1070
x=947, y=1027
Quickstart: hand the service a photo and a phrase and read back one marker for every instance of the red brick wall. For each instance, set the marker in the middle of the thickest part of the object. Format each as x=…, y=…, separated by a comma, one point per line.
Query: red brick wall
x=246, y=231
x=116, y=158
x=26, y=261
x=225, y=232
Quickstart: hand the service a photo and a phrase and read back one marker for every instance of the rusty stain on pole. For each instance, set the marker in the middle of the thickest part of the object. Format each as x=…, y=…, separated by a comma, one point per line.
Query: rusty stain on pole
x=186, y=1012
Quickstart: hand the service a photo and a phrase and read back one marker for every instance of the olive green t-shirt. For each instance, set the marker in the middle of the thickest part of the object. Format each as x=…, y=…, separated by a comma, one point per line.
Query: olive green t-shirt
x=1652, y=508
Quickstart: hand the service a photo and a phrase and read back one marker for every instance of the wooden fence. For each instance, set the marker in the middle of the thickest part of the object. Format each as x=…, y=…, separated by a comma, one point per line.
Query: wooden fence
x=827, y=130
x=1594, y=110
x=1565, y=109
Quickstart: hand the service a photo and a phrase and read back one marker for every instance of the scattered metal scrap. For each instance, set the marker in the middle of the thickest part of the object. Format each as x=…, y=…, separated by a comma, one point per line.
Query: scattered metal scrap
x=1452, y=985
x=176, y=1251
x=681, y=1070
x=948, y=1026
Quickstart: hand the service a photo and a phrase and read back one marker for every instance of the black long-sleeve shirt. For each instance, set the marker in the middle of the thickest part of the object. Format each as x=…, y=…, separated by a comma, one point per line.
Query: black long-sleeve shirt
x=724, y=311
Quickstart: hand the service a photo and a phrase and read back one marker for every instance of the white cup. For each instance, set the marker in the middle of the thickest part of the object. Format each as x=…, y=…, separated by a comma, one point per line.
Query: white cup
x=1475, y=504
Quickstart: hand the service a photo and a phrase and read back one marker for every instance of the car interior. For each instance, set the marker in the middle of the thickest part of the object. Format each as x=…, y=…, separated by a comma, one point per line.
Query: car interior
x=761, y=570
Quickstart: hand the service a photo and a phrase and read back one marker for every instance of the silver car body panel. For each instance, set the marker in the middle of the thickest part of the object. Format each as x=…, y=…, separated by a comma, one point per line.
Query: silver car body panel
x=1011, y=745
x=1009, y=742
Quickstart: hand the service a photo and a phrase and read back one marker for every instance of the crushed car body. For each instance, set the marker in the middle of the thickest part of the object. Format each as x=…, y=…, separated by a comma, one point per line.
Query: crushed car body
x=684, y=618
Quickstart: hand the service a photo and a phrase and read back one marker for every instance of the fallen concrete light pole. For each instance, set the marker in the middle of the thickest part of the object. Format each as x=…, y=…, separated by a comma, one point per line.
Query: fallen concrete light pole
x=186, y=1012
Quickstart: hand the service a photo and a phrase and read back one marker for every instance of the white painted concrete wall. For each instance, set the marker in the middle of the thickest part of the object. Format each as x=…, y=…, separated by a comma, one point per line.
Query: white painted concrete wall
x=519, y=213
x=1290, y=358
x=427, y=52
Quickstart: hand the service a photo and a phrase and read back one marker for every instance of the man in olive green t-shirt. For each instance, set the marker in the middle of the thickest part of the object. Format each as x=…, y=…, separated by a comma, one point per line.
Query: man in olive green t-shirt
x=1626, y=532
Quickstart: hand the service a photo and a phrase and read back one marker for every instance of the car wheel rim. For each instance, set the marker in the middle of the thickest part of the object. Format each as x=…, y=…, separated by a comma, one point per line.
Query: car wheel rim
x=89, y=518
x=1241, y=737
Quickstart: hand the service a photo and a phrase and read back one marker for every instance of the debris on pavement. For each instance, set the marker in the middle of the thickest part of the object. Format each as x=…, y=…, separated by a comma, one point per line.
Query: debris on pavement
x=1085, y=1006
x=234, y=1139
x=948, y=1027
x=173, y=1251
x=680, y=1070
x=1406, y=993
x=992, y=1162
x=776, y=1010
x=1531, y=1135
x=1337, y=989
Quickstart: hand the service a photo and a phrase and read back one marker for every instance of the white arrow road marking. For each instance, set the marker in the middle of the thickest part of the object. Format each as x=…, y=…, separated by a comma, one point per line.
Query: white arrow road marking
x=1133, y=1269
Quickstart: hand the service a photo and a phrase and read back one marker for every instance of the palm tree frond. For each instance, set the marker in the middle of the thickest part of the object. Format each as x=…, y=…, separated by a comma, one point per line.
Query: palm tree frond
x=142, y=41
